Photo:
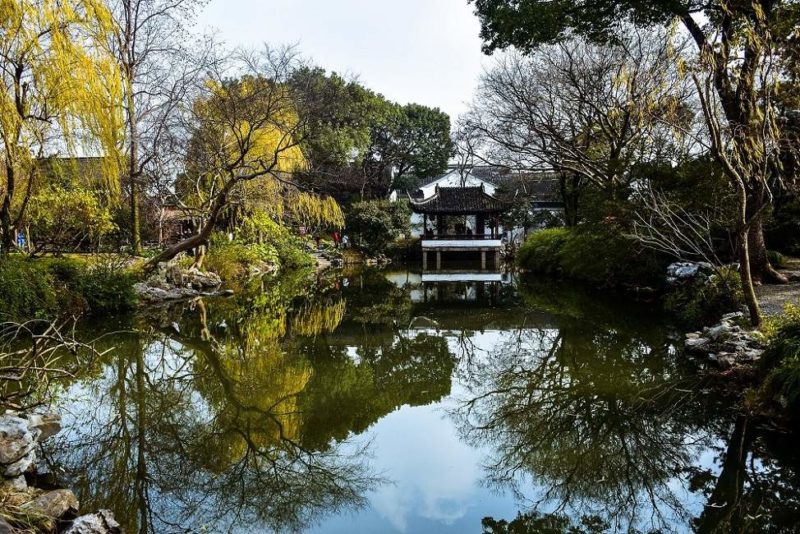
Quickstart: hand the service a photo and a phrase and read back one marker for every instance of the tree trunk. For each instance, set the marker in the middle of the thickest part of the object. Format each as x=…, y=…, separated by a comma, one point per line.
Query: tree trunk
x=747, y=279
x=720, y=514
x=201, y=238
x=759, y=261
x=134, y=172
x=6, y=225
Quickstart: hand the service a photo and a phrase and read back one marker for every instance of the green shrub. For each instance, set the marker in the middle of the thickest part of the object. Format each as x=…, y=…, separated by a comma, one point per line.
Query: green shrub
x=107, y=288
x=776, y=259
x=53, y=287
x=232, y=260
x=701, y=302
x=373, y=225
x=599, y=254
x=780, y=363
x=541, y=252
x=27, y=290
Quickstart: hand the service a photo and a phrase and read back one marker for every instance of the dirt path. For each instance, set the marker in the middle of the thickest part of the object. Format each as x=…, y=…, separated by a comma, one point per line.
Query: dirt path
x=773, y=297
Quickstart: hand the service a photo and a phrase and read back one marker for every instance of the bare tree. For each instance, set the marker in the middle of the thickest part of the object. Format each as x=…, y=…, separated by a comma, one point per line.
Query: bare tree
x=35, y=354
x=666, y=226
x=584, y=109
x=150, y=45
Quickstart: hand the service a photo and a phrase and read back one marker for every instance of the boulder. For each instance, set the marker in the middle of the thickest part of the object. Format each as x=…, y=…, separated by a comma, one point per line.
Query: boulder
x=16, y=439
x=686, y=270
x=102, y=522
x=15, y=484
x=46, y=425
x=17, y=445
x=56, y=504
x=5, y=528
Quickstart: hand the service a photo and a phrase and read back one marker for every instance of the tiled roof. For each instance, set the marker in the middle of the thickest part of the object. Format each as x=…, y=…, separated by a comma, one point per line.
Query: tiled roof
x=459, y=201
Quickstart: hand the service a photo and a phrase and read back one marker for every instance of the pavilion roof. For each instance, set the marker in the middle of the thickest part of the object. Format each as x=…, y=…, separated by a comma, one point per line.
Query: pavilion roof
x=459, y=201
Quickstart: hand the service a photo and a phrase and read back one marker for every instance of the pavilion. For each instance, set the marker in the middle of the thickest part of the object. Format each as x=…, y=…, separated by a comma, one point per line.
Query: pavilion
x=460, y=220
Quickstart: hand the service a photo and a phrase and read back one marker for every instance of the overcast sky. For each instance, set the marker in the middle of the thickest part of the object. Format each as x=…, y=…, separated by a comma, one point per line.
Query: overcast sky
x=424, y=51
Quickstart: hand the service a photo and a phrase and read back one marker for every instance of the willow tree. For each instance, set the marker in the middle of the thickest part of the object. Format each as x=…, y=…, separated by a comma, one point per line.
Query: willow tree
x=59, y=91
x=242, y=139
x=733, y=69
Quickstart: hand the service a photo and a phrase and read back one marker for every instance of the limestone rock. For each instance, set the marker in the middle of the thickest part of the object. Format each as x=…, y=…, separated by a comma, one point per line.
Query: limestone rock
x=16, y=439
x=102, y=522
x=47, y=425
x=56, y=504
x=686, y=270
x=15, y=484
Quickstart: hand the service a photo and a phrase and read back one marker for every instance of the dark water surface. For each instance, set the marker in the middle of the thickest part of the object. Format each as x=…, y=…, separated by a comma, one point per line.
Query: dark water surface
x=375, y=402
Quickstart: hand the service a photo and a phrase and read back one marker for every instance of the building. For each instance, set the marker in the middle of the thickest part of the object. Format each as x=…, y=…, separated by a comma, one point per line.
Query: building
x=461, y=210
x=460, y=220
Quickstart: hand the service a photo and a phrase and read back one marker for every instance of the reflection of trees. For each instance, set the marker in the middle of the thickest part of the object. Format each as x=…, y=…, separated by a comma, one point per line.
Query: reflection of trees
x=588, y=413
x=220, y=417
x=597, y=413
x=201, y=427
x=344, y=396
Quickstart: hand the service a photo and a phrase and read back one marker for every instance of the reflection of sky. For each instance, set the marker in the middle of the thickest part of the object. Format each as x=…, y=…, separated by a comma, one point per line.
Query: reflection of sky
x=435, y=479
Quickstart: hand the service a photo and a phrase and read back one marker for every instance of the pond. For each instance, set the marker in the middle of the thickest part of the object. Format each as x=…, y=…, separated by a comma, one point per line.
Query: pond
x=372, y=401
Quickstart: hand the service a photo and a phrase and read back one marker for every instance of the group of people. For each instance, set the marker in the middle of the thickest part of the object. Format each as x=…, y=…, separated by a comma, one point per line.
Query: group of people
x=339, y=240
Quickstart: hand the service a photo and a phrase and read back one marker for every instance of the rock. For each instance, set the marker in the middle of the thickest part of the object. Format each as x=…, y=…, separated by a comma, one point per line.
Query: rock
x=5, y=528
x=696, y=343
x=21, y=466
x=16, y=439
x=57, y=504
x=719, y=331
x=733, y=316
x=15, y=484
x=102, y=522
x=692, y=335
x=47, y=425
x=17, y=445
x=685, y=270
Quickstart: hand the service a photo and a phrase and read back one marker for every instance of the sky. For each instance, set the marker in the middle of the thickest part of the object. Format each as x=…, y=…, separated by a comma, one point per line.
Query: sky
x=423, y=51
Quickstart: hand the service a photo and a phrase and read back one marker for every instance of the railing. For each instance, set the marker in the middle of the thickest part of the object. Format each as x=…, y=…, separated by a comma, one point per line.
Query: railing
x=459, y=237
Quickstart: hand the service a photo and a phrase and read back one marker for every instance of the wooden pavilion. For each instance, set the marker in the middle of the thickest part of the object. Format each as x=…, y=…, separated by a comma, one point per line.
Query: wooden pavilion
x=461, y=220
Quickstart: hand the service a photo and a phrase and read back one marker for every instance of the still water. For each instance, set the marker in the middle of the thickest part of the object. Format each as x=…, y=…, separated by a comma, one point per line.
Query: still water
x=374, y=401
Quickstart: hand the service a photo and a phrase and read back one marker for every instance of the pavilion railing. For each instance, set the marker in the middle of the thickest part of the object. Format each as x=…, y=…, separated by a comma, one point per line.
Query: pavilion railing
x=460, y=237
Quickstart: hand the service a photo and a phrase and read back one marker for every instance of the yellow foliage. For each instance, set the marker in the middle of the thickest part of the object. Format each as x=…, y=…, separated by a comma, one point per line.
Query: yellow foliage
x=55, y=68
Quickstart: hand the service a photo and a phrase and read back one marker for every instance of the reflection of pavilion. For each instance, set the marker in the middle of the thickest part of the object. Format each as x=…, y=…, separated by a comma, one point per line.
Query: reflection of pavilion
x=475, y=287
x=464, y=220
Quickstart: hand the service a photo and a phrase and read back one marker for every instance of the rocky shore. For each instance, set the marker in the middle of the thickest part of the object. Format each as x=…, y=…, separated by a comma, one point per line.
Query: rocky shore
x=169, y=283
x=726, y=344
x=25, y=507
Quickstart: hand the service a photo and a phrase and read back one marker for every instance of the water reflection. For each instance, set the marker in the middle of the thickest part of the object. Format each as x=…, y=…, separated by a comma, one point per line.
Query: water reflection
x=355, y=403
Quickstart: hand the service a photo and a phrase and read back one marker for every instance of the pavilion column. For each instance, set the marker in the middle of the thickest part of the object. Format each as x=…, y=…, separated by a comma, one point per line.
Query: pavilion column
x=483, y=260
x=438, y=260
x=424, y=225
x=424, y=260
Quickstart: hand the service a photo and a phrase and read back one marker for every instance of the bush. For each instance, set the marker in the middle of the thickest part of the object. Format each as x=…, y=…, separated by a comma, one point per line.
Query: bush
x=599, y=254
x=232, y=260
x=373, y=225
x=107, y=288
x=49, y=288
x=703, y=302
x=776, y=259
x=541, y=252
x=780, y=363
x=27, y=290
